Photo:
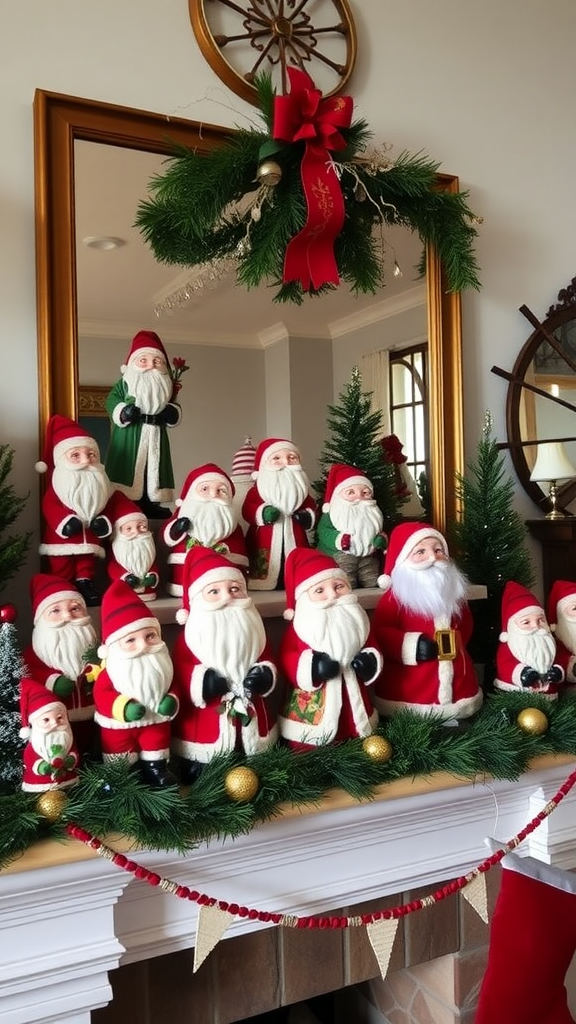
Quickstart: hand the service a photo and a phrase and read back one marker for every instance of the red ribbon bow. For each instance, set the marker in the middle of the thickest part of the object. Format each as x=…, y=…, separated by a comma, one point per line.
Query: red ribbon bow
x=303, y=116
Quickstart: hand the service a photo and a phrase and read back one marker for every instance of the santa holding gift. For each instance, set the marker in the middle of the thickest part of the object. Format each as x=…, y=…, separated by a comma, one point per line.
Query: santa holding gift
x=350, y=529
x=132, y=553
x=205, y=515
x=562, y=619
x=279, y=510
x=134, y=698
x=50, y=757
x=62, y=652
x=422, y=625
x=327, y=655
x=75, y=505
x=142, y=410
x=526, y=654
x=223, y=666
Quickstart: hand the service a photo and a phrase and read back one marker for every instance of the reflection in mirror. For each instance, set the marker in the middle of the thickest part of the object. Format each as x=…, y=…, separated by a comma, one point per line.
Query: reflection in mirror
x=268, y=372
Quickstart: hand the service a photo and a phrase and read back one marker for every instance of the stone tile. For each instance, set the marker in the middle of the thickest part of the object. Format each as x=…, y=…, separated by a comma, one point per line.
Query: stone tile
x=360, y=963
x=176, y=994
x=469, y=968
x=431, y=932
x=312, y=962
x=437, y=977
x=130, y=1002
x=427, y=1010
x=246, y=975
x=473, y=930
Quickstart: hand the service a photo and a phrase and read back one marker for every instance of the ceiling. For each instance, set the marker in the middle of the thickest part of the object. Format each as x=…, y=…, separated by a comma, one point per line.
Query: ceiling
x=118, y=289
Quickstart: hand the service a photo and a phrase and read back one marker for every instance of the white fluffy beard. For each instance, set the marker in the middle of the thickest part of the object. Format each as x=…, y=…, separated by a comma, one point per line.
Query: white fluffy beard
x=229, y=638
x=566, y=633
x=143, y=677
x=211, y=520
x=434, y=589
x=135, y=554
x=85, y=490
x=44, y=742
x=536, y=648
x=62, y=647
x=363, y=520
x=285, y=488
x=150, y=389
x=337, y=627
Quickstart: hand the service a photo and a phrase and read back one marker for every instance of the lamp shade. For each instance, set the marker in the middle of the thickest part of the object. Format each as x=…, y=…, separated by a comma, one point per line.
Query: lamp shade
x=552, y=463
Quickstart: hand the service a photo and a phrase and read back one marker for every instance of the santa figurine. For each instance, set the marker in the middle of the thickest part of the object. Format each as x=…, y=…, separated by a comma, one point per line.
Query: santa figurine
x=74, y=506
x=141, y=409
x=132, y=553
x=62, y=653
x=50, y=757
x=134, y=698
x=411, y=507
x=422, y=625
x=562, y=619
x=207, y=516
x=223, y=666
x=526, y=654
x=279, y=510
x=350, y=529
x=327, y=655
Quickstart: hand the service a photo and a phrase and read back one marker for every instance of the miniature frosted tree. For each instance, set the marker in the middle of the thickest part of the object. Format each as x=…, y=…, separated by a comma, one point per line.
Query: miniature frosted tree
x=14, y=547
x=11, y=672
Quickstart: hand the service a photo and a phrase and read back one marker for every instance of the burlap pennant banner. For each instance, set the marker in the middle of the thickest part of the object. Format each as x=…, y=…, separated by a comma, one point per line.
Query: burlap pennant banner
x=382, y=935
x=212, y=923
x=475, y=893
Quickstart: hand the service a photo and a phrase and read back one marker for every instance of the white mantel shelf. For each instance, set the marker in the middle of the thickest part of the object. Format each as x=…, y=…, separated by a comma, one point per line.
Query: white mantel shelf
x=68, y=917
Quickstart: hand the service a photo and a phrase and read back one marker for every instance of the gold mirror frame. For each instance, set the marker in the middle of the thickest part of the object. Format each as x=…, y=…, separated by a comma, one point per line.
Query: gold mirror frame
x=60, y=120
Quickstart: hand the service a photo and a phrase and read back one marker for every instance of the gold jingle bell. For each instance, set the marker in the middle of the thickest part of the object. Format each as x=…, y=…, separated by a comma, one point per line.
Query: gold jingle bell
x=532, y=721
x=269, y=173
x=378, y=748
x=241, y=784
x=51, y=804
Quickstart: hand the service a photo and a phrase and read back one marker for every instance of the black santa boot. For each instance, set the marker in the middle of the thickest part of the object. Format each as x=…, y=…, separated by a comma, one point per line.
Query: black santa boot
x=157, y=774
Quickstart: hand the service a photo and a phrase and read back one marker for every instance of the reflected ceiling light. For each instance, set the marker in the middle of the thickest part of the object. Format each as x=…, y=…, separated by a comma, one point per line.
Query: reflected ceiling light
x=103, y=242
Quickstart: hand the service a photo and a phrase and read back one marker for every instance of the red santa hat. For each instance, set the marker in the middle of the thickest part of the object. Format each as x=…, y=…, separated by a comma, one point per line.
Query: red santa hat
x=35, y=700
x=122, y=612
x=122, y=509
x=516, y=600
x=201, y=474
x=201, y=567
x=145, y=343
x=403, y=540
x=62, y=434
x=267, y=448
x=341, y=476
x=562, y=594
x=304, y=567
x=244, y=460
x=46, y=590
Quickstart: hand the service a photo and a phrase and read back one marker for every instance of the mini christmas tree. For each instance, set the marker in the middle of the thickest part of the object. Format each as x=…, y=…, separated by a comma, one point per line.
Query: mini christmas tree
x=13, y=549
x=11, y=672
x=355, y=432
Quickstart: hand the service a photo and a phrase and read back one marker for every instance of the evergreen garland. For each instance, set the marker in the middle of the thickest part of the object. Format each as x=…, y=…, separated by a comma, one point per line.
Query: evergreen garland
x=13, y=549
x=208, y=207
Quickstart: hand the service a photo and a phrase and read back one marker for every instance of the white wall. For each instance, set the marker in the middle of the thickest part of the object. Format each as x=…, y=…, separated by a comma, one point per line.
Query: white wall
x=485, y=88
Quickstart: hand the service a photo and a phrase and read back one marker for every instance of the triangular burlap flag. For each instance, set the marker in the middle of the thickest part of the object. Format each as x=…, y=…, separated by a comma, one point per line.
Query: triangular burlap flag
x=475, y=893
x=382, y=935
x=212, y=923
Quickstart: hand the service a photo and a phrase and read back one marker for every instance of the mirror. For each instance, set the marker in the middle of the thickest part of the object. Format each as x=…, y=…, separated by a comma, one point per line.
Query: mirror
x=61, y=121
x=541, y=399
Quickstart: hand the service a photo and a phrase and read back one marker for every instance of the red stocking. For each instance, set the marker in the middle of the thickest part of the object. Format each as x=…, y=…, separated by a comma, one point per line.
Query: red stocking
x=532, y=942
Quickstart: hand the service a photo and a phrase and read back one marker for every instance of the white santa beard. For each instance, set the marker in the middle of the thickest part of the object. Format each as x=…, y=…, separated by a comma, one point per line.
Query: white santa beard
x=437, y=589
x=135, y=554
x=83, y=490
x=230, y=638
x=286, y=488
x=150, y=389
x=536, y=648
x=144, y=677
x=363, y=520
x=44, y=742
x=211, y=521
x=338, y=628
x=63, y=647
x=566, y=632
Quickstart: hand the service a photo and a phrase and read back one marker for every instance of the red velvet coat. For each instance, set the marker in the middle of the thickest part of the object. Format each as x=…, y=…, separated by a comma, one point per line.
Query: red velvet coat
x=34, y=782
x=145, y=591
x=80, y=703
x=509, y=670
x=56, y=515
x=268, y=545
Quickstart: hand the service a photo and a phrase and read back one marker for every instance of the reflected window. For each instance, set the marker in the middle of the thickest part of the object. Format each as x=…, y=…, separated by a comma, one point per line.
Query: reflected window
x=409, y=406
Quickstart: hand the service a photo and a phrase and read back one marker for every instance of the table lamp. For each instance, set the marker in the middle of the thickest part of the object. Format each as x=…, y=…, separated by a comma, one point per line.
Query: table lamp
x=552, y=464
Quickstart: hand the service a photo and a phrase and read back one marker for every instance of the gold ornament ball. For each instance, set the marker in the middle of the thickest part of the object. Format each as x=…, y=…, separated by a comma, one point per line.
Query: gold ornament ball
x=269, y=173
x=242, y=784
x=378, y=748
x=51, y=804
x=532, y=721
